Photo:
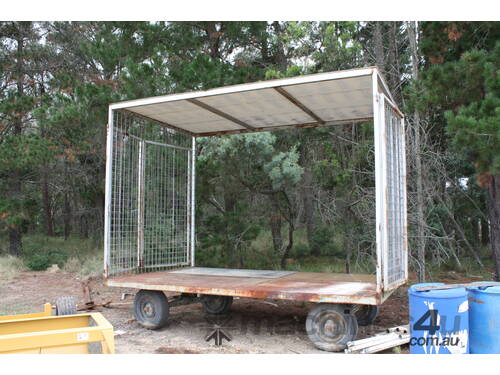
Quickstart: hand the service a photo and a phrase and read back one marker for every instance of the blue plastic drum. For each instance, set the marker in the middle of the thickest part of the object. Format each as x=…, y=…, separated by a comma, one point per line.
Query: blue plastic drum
x=439, y=320
x=484, y=319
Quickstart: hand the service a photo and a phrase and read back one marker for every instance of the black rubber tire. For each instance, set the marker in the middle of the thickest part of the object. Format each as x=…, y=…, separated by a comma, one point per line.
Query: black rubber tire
x=151, y=309
x=65, y=305
x=331, y=326
x=365, y=314
x=216, y=305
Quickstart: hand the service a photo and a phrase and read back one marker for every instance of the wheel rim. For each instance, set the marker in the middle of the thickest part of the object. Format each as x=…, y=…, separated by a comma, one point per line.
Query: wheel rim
x=148, y=309
x=330, y=326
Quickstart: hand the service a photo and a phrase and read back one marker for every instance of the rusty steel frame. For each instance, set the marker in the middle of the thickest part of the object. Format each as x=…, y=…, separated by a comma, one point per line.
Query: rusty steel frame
x=391, y=217
x=296, y=286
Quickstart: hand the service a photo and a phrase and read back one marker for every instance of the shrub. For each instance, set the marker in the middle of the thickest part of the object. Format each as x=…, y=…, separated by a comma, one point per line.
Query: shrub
x=323, y=242
x=300, y=250
x=44, y=258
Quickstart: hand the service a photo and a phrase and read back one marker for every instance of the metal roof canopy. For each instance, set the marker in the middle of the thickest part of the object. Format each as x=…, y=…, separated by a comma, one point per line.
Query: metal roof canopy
x=342, y=97
x=305, y=101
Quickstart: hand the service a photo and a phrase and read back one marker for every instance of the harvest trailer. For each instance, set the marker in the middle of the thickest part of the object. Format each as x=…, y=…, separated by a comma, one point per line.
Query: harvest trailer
x=150, y=197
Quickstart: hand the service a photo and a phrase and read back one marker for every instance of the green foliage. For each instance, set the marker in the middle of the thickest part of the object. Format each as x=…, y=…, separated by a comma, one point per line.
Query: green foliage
x=323, y=242
x=475, y=129
x=255, y=158
x=467, y=90
x=77, y=255
x=24, y=152
x=447, y=41
x=21, y=155
x=225, y=240
x=292, y=71
x=300, y=251
x=339, y=50
x=41, y=259
x=328, y=170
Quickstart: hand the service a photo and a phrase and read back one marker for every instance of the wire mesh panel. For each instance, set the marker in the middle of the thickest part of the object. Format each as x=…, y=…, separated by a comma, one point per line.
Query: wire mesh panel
x=394, y=258
x=149, y=199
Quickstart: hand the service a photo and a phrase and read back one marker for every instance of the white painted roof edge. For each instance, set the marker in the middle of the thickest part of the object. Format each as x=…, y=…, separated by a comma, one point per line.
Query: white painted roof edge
x=310, y=78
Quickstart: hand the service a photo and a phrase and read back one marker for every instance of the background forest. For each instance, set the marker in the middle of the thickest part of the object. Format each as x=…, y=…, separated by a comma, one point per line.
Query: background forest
x=289, y=199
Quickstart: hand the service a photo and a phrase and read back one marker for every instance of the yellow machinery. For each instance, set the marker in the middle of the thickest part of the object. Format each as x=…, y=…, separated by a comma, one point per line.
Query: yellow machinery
x=42, y=333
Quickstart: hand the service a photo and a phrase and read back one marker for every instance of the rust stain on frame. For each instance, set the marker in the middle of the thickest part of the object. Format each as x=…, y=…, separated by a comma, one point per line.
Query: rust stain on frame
x=299, y=286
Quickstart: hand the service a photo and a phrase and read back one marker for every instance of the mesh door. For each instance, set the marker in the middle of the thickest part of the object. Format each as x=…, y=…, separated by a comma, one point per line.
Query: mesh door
x=394, y=258
x=149, y=199
x=166, y=206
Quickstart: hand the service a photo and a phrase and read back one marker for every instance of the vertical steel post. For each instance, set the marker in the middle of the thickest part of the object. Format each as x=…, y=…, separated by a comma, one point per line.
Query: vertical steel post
x=108, y=196
x=404, y=208
x=193, y=185
x=140, y=204
x=384, y=193
x=188, y=209
x=379, y=179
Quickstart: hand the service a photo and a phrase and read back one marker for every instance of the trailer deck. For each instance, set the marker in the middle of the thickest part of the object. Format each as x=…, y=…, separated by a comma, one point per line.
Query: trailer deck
x=261, y=284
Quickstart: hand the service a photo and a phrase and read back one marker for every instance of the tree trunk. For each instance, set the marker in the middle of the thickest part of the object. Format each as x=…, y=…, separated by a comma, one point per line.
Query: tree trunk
x=15, y=242
x=49, y=219
x=15, y=234
x=67, y=216
x=420, y=237
x=494, y=216
x=378, y=45
x=290, y=216
x=276, y=224
x=46, y=198
x=213, y=37
x=485, y=232
x=84, y=226
x=286, y=252
x=307, y=194
x=461, y=232
x=279, y=57
x=230, y=199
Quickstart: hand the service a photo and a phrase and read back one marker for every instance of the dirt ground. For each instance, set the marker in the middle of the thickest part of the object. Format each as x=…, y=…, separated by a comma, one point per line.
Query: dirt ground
x=256, y=326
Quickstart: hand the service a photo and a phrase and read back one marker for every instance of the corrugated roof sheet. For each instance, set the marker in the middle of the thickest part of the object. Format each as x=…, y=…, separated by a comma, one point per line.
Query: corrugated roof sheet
x=309, y=100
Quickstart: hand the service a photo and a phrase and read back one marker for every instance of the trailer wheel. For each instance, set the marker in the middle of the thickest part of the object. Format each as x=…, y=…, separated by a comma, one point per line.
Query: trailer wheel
x=365, y=314
x=216, y=304
x=65, y=305
x=331, y=326
x=151, y=309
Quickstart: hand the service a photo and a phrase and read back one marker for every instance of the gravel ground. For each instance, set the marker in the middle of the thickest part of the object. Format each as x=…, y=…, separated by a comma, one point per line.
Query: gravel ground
x=256, y=326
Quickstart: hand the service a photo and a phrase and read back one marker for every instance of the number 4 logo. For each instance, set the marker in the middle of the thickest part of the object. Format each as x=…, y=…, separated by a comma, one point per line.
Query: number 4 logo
x=432, y=327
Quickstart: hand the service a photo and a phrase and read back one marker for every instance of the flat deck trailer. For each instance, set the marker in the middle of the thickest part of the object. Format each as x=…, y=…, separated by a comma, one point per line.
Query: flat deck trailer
x=282, y=285
x=149, y=234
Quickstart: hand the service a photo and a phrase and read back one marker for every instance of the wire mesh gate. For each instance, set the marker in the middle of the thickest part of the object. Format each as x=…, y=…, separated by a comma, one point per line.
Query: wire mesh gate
x=391, y=196
x=150, y=214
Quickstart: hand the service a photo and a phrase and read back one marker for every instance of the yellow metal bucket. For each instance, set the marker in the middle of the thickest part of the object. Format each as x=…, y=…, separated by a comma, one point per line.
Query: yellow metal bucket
x=42, y=333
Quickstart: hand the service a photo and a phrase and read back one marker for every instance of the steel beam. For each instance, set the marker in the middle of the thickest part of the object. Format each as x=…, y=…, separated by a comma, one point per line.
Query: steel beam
x=220, y=113
x=298, y=104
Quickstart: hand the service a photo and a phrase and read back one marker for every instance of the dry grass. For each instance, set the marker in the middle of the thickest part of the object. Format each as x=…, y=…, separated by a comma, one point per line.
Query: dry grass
x=90, y=266
x=84, y=256
x=10, y=267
